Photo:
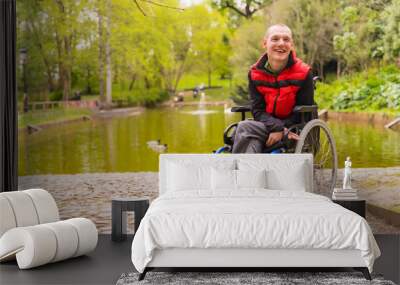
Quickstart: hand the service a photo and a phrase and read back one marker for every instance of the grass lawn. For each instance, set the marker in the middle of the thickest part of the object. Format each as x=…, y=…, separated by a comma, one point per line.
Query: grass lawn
x=47, y=116
x=215, y=94
x=190, y=81
x=219, y=94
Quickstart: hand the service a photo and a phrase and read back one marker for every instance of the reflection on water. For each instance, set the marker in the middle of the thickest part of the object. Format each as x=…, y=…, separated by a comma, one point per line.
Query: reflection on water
x=120, y=144
x=201, y=112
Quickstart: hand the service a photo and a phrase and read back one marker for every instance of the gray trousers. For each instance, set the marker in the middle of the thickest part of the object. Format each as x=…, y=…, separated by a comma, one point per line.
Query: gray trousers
x=250, y=137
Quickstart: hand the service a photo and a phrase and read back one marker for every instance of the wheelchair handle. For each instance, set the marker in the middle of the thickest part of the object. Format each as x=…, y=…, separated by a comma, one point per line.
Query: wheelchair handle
x=305, y=109
x=313, y=109
x=241, y=109
x=315, y=80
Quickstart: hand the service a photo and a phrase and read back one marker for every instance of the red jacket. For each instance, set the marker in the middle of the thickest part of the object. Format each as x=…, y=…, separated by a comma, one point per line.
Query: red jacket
x=279, y=92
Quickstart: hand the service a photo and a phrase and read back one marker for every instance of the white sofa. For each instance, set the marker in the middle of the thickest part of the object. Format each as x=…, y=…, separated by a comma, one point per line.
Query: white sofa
x=31, y=232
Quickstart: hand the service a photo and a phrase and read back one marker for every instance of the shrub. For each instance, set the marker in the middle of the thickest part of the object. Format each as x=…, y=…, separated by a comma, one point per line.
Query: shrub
x=144, y=97
x=371, y=90
x=56, y=95
x=240, y=93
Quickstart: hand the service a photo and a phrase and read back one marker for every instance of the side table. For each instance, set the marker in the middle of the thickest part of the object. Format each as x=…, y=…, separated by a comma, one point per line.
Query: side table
x=119, y=207
x=357, y=206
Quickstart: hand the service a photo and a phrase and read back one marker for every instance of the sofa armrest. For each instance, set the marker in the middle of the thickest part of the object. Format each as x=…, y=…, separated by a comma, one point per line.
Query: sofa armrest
x=41, y=244
x=32, y=246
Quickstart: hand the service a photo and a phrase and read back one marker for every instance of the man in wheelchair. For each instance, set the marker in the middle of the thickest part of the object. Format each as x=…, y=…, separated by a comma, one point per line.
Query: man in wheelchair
x=278, y=82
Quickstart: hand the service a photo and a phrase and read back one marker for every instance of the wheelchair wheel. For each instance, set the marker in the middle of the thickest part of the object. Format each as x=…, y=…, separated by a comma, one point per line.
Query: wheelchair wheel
x=316, y=138
x=224, y=149
x=229, y=134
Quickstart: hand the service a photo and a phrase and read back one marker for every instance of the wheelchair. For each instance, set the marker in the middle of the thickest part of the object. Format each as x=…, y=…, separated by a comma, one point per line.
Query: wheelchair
x=315, y=138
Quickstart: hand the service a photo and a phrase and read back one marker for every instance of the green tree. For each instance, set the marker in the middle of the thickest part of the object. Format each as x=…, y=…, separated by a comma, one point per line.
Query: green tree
x=247, y=48
x=153, y=49
x=243, y=8
x=391, y=38
x=52, y=30
x=345, y=44
x=210, y=46
x=34, y=35
x=68, y=17
x=360, y=41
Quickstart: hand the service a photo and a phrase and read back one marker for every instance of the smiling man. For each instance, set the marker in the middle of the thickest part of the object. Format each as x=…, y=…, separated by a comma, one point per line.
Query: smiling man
x=278, y=82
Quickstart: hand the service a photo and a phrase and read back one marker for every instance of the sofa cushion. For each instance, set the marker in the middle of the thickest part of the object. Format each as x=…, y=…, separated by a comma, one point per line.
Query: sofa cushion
x=7, y=220
x=24, y=210
x=67, y=239
x=45, y=205
x=87, y=233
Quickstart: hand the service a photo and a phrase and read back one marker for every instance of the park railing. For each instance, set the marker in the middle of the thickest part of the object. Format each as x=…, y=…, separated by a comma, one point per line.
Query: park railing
x=49, y=105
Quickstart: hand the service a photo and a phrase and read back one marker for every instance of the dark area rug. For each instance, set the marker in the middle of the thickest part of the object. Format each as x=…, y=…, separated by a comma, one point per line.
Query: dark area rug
x=228, y=278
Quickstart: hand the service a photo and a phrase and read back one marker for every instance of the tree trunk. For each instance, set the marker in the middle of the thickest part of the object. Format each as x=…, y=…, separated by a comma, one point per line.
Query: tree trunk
x=65, y=54
x=209, y=70
x=178, y=76
x=34, y=31
x=67, y=65
x=108, y=57
x=168, y=80
x=132, y=82
x=209, y=77
x=50, y=83
x=116, y=73
x=88, y=87
x=60, y=62
x=338, y=71
x=101, y=56
x=147, y=84
x=66, y=85
x=321, y=69
x=181, y=67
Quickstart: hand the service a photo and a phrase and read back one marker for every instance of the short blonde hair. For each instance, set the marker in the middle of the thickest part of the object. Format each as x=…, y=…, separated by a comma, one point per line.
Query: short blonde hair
x=278, y=25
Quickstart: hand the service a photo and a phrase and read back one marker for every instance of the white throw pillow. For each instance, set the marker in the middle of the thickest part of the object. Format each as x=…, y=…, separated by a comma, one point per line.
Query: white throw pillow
x=283, y=173
x=223, y=179
x=251, y=178
x=186, y=175
x=292, y=177
x=227, y=179
x=184, y=178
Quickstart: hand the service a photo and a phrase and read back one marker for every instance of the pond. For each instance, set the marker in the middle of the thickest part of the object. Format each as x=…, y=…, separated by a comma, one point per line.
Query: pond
x=120, y=144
